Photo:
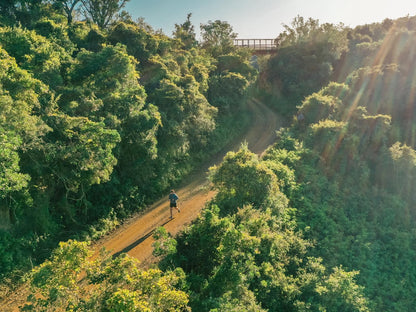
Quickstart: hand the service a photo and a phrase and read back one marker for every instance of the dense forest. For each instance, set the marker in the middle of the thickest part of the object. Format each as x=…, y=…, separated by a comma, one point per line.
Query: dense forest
x=101, y=114
x=97, y=120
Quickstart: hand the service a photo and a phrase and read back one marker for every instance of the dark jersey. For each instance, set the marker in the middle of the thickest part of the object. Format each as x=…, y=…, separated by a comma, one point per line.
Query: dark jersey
x=173, y=198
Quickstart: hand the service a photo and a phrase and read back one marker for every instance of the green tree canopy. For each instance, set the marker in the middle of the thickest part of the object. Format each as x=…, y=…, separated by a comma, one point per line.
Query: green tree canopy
x=185, y=33
x=304, y=64
x=217, y=37
x=243, y=180
x=102, y=12
x=36, y=54
x=111, y=284
x=69, y=7
x=25, y=12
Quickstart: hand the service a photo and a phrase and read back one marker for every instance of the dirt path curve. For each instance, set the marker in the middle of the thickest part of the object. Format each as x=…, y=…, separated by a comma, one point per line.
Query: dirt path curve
x=135, y=236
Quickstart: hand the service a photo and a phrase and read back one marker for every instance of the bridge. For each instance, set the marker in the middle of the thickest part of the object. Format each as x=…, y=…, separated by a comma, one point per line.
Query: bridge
x=261, y=46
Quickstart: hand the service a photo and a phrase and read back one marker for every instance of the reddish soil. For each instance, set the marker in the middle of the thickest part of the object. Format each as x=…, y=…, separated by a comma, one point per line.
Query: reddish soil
x=135, y=236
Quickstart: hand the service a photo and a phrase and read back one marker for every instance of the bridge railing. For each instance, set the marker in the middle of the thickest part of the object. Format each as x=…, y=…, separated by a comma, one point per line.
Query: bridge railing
x=256, y=44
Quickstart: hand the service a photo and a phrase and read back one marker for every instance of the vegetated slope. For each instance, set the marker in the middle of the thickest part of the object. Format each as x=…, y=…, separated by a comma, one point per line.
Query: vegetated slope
x=99, y=119
x=134, y=237
x=356, y=140
x=98, y=123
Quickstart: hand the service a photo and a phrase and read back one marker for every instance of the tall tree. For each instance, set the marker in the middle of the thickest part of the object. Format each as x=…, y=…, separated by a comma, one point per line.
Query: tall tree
x=69, y=7
x=102, y=12
x=217, y=37
x=304, y=64
x=20, y=11
x=186, y=33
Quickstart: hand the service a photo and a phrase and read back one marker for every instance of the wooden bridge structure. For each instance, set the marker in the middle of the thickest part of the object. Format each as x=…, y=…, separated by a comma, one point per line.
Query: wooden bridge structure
x=259, y=46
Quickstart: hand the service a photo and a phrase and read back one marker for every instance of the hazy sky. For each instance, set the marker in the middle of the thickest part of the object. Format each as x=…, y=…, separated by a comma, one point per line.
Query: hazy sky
x=264, y=18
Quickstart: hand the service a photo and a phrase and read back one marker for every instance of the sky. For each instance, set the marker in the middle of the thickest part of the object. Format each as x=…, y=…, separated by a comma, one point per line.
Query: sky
x=264, y=18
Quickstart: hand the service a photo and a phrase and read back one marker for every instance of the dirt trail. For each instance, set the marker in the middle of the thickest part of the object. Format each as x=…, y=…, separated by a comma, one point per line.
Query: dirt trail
x=135, y=236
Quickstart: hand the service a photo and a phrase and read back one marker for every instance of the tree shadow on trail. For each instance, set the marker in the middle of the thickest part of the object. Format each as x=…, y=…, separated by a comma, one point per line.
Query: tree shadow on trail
x=138, y=242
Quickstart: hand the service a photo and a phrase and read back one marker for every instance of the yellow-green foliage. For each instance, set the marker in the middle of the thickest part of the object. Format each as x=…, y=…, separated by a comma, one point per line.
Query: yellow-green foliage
x=242, y=179
x=252, y=259
x=100, y=121
x=71, y=281
x=354, y=193
x=35, y=53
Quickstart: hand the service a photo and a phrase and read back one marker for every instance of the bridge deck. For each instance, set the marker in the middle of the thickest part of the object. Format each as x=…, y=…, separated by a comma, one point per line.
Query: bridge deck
x=256, y=44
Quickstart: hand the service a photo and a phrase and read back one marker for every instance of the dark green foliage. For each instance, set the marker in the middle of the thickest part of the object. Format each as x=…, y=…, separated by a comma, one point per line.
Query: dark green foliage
x=185, y=33
x=217, y=38
x=36, y=54
x=307, y=54
x=351, y=150
x=235, y=63
x=56, y=32
x=15, y=251
x=24, y=12
x=353, y=202
x=140, y=43
x=69, y=7
x=232, y=74
x=228, y=85
x=96, y=121
x=244, y=254
x=102, y=12
x=242, y=179
x=22, y=132
x=86, y=36
x=226, y=91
